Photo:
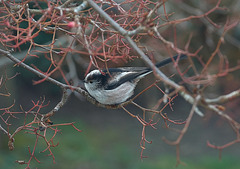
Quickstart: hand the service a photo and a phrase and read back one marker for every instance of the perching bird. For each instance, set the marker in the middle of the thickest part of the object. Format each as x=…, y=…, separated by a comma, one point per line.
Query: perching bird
x=116, y=85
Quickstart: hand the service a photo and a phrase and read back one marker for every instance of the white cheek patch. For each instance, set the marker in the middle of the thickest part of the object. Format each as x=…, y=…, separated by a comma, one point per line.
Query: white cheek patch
x=91, y=73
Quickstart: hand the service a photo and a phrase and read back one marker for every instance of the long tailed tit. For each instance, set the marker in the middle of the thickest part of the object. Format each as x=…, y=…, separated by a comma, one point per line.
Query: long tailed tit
x=116, y=85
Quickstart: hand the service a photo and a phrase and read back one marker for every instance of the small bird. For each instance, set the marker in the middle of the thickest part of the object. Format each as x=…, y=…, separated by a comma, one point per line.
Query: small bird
x=114, y=86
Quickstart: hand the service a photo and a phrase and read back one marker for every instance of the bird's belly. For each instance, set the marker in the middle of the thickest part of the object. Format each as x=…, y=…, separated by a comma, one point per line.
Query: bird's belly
x=115, y=96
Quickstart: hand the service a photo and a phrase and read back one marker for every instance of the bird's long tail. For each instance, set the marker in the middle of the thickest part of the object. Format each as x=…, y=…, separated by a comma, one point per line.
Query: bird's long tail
x=160, y=64
x=169, y=60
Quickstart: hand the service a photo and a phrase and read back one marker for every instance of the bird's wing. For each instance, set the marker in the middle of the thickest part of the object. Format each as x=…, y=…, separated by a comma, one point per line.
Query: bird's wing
x=123, y=75
x=133, y=74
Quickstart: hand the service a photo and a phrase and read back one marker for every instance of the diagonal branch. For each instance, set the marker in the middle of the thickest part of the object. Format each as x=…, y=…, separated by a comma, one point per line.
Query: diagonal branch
x=144, y=57
x=61, y=85
x=224, y=98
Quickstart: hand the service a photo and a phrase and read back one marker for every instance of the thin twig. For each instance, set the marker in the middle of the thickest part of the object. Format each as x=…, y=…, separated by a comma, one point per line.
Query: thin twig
x=185, y=128
x=224, y=98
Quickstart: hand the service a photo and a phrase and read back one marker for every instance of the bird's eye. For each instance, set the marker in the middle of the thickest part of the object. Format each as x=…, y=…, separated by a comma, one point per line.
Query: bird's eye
x=90, y=81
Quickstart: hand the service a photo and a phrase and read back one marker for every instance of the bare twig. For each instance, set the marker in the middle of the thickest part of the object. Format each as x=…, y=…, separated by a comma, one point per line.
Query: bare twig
x=25, y=66
x=4, y=131
x=75, y=10
x=210, y=26
x=124, y=33
x=61, y=85
x=224, y=98
x=184, y=130
x=64, y=99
